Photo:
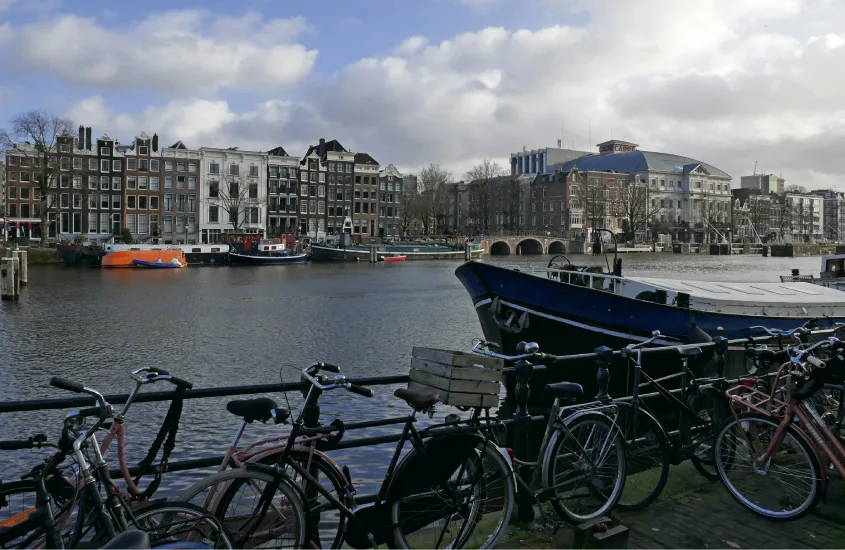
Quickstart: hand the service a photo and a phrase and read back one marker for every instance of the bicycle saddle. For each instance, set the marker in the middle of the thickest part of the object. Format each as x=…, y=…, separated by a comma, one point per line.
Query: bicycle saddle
x=133, y=539
x=565, y=390
x=689, y=352
x=418, y=398
x=261, y=409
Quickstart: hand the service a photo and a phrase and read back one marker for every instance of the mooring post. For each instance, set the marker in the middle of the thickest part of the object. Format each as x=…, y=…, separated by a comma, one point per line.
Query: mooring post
x=467, y=251
x=373, y=255
x=721, y=347
x=7, y=278
x=22, y=256
x=522, y=424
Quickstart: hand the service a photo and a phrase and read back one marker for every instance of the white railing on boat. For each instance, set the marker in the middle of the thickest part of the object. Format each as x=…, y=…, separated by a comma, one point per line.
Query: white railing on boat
x=580, y=278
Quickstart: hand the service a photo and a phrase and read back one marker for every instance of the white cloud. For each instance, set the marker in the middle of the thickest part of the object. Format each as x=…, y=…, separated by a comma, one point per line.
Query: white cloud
x=179, y=52
x=725, y=81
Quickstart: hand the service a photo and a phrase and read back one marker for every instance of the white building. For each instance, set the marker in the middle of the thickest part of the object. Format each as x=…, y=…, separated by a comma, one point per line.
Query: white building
x=805, y=215
x=179, y=198
x=233, y=192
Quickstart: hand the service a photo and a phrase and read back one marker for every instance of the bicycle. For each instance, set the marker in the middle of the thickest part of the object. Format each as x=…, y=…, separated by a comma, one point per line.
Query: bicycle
x=700, y=407
x=781, y=433
x=564, y=454
x=97, y=520
x=425, y=476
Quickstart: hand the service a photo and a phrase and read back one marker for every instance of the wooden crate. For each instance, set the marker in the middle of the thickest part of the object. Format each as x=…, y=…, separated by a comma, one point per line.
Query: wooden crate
x=462, y=379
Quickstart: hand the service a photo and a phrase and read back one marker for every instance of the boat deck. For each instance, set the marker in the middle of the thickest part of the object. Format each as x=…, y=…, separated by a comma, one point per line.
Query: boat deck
x=794, y=293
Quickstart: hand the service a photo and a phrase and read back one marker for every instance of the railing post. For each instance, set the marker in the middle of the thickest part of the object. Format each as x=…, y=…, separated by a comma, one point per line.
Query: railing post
x=604, y=358
x=721, y=347
x=522, y=426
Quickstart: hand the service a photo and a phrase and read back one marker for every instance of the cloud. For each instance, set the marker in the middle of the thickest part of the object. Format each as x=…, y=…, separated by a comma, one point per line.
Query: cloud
x=178, y=52
x=723, y=81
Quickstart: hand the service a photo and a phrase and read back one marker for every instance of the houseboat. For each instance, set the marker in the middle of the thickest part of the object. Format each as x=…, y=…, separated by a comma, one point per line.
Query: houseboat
x=206, y=254
x=241, y=243
x=356, y=253
x=268, y=252
x=832, y=274
x=125, y=255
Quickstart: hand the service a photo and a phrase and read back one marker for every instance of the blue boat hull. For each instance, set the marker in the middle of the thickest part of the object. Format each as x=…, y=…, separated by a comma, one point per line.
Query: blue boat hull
x=245, y=259
x=564, y=319
x=156, y=265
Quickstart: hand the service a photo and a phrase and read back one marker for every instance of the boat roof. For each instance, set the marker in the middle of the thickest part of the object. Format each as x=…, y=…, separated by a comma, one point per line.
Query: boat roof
x=783, y=293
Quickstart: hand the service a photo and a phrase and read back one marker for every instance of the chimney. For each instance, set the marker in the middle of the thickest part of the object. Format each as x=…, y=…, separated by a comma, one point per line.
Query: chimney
x=322, y=148
x=88, y=138
x=81, y=137
x=155, y=143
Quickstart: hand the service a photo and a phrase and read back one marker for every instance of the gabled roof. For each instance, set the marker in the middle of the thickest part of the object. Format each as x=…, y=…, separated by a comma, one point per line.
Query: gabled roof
x=278, y=152
x=689, y=168
x=364, y=158
x=178, y=145
x=391, y=170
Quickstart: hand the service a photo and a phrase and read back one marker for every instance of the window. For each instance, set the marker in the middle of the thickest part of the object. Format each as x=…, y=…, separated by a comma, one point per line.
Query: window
x=26, y=176
x=77, y=200
x=312, y=177
x=131, y=182
x=13, y=192
x=92, y=202
x=168, y=224
x=104, y=223
x=115, y=184
x=13, y=210
x=192, y=224
x=192, y=167
x=117, y=165
x=303, y=190
x=303, y=207
x=213, y=214
x=213, y=168
x=143, y=224
x=131, y=164
x=168, y=202
x=154, y=224
x=104, y=183
x=233, y=189
x=321, y=191
x=77, y=182
x=213, y=190
x=92, y=223
x=234, y=170
x=303, y=176
x=104, y=166
x=253, y=215
x=13, y=161
x=77, y=163
x=168, y=182
x=253, y=171
x=130, y=223
x=115, y=202
x=143, y=165
x=253, y=190
x=180, y=182
x=92, y=182
x=180, y=224
x=154, y=165
x=104, y=151
x=312, y=207
x=180, y=203
x=142, y=202
x=168, y=165
x=64, y=181
x=154, y=183
x=104, y=202
x=321, y=207
x=153, y=203
x=331, y=194
x=192, y=203
x=192, y=182
x=92, y=165
x=142, y=183
x=131, y=202
x=322, y=178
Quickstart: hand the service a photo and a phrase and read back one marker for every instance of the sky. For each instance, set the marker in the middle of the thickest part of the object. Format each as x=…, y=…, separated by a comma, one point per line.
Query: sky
x=733, y=83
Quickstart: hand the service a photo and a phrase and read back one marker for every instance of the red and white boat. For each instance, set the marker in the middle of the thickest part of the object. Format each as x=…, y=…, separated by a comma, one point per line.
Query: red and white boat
x=394, y=258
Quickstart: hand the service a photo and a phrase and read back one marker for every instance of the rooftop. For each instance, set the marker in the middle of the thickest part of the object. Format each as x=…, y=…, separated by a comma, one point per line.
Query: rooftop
x=637, y=161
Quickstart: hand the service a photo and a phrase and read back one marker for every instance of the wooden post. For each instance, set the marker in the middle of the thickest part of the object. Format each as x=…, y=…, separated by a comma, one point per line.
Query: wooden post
x=8, y=278
x=16, y=255
x=467, y=252
x=373, y=255
x=24, y=266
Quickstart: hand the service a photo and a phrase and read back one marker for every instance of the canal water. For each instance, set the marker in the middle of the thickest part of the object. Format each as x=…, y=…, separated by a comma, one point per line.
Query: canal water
x=228, y=326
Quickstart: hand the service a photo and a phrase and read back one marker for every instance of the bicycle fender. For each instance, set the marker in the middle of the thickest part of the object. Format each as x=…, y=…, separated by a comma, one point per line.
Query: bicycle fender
x=443, y=455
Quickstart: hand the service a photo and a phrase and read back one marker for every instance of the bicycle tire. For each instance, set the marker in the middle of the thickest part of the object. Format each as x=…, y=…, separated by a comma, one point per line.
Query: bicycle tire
x=796, y=438
x=574, y=422
x=488, y=458
x=712, y=403
x=176, y=512
x=61, y=500
x=313, y=505
x=230, y=480
x=648, y=449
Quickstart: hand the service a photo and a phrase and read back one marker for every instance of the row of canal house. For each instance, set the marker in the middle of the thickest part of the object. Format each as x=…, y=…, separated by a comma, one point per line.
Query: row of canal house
x=184, y=195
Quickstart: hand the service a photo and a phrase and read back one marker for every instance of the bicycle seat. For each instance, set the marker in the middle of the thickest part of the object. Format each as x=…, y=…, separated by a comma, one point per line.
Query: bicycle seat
x=130, y=539
x=261, y=409
x=565, y=390
x=418, y=398
x=689, y=352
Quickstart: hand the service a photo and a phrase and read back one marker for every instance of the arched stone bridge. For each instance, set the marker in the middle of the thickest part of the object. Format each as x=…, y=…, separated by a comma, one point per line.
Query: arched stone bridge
x=528, y=244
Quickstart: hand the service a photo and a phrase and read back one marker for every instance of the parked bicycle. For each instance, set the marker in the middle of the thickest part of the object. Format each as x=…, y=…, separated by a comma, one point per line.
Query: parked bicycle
x=454, y=488
x=773, y=456
x=62, y=499
x=580, y=467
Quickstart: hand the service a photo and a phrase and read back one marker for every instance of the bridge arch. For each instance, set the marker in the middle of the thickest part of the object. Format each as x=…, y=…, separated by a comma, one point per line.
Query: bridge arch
x=557, y=247
x=500, y=248
x=530, y=246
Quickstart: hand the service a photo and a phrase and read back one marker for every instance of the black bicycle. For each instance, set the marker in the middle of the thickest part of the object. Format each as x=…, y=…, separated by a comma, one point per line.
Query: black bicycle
x=69, y=510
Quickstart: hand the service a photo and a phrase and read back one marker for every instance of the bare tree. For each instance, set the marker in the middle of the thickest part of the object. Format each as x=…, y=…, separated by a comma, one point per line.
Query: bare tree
x=798, y=189
x=432, y=187
x=483, y=189
x=236, y=195
x=512, y=203
x=639, y=206
x=33, y=136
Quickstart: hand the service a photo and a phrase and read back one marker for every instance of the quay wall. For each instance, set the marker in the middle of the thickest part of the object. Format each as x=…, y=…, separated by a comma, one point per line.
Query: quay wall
x=801, y=250
x=39, y=256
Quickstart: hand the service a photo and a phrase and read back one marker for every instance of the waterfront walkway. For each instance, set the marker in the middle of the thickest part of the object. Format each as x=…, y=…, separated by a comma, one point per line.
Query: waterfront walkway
x=695, y=513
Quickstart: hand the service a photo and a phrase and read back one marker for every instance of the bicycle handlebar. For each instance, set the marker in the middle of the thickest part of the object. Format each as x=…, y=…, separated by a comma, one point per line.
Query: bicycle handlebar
x=338, y=381
x=155, y=374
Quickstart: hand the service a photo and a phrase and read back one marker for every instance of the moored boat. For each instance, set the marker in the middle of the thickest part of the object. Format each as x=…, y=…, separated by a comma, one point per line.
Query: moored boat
x=158, y=264
x=127, y=257
x=393, y=258
x=267, y=252
x=206, y=254
x=362, y=253
x=832, y=274
x=81, y=254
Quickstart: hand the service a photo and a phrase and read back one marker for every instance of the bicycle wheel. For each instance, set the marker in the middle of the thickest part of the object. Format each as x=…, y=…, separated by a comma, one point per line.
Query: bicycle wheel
x=17, y=503
x=746, y=439
x=326, y=522
x=472, y=510
x=585, y=467
x=181, y=525
x=710, y=408
x=234, y=496
x=648, y=455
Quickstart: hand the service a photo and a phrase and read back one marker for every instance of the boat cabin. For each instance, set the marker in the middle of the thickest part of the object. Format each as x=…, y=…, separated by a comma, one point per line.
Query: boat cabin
x=242, y=242
x=271, y=245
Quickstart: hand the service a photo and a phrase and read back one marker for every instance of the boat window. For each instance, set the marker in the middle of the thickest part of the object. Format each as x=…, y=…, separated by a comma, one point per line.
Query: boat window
x=135, y=249
x=215, y=250
x=196, y=250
